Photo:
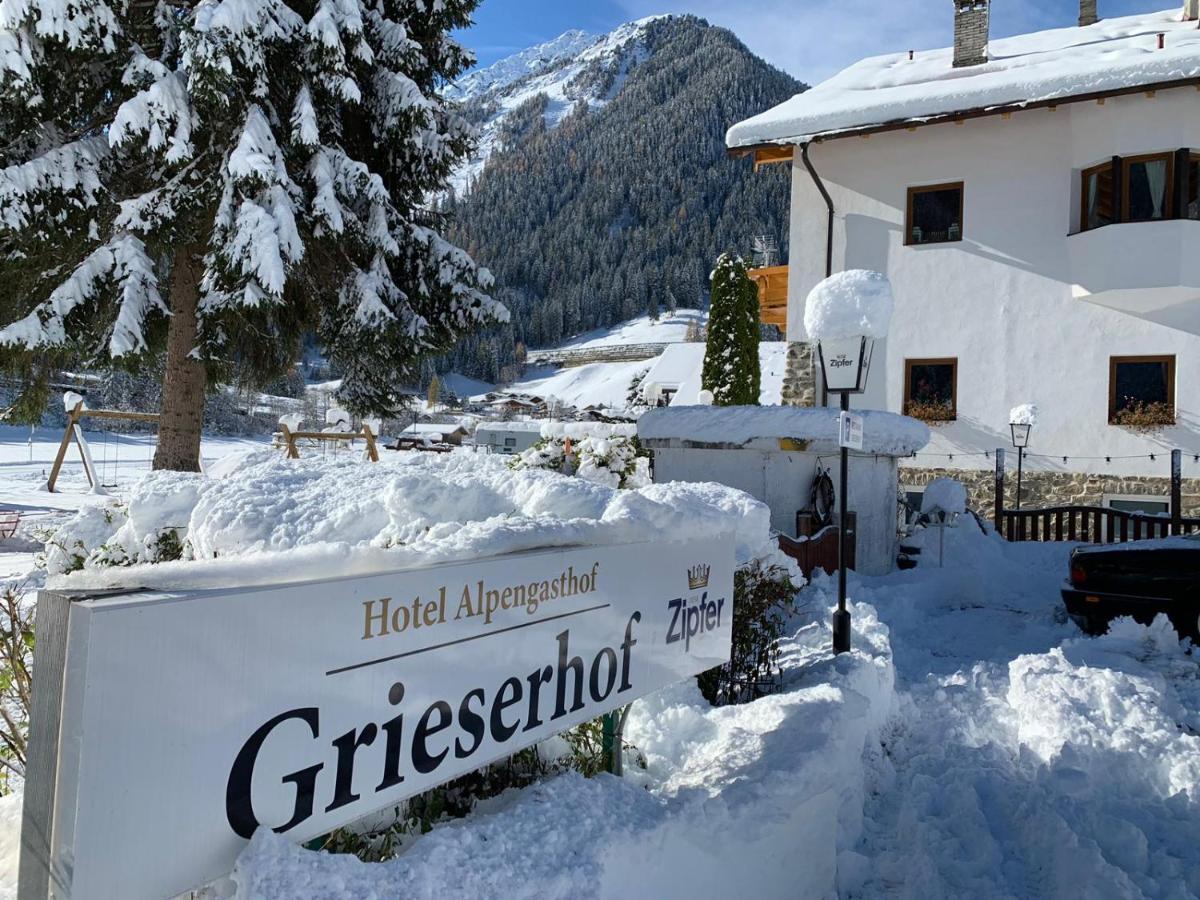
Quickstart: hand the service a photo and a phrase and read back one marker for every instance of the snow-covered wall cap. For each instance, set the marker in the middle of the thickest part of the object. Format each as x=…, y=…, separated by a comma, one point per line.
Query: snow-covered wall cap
x=1025, y=414
x=886, y=433
x=848, y=304
x=1113, y=54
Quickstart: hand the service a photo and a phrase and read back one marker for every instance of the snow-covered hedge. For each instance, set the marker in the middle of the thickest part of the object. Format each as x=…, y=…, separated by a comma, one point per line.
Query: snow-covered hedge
x=617, y=461
x=258, y=518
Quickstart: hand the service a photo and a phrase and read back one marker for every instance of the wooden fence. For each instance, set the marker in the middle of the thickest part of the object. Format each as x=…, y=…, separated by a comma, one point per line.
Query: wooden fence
x=1092, y=524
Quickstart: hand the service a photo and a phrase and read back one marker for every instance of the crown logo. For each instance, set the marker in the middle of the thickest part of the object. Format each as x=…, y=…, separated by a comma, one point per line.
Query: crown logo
x=698, y=577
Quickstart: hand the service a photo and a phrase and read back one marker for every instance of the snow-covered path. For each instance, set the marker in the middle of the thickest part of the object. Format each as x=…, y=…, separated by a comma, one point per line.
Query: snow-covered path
x=1027, y=760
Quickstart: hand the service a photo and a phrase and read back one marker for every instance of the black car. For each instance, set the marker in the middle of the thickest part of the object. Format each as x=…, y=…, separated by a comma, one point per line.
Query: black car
x=1139, y=579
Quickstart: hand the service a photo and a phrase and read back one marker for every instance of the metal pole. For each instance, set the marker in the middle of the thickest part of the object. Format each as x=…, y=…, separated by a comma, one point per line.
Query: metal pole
x=841, y=618
x=1020, y=459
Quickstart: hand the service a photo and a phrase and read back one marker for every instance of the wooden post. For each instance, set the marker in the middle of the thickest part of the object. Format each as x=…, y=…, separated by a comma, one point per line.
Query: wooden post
x=1176, y=492
x=72, y=418
x=289, y=442
x=999, y=515
x=372, y=452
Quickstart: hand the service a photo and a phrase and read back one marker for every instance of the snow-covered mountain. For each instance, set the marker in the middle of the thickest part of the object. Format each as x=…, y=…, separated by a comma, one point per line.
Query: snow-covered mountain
x=572, y=68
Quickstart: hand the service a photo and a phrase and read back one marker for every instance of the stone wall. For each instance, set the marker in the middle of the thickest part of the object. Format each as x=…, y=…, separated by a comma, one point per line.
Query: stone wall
x=1039, y=489
x=800, y=376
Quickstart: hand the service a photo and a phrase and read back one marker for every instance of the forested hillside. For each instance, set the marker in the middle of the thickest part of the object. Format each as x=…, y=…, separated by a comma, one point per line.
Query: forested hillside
x=623, y=205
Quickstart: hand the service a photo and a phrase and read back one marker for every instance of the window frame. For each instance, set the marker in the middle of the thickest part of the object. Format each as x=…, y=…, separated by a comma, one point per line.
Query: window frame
x=951, y=361
x=1110, y=167
x=1192, y=182
x=1114, y=361
x=913, y=191
x=1126, y=162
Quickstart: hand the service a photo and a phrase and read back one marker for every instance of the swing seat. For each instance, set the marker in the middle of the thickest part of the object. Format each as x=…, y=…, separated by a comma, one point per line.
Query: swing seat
x=9, y=520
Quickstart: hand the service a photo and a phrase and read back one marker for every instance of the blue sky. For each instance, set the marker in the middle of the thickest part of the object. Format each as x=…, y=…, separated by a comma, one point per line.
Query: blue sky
x=812, y=39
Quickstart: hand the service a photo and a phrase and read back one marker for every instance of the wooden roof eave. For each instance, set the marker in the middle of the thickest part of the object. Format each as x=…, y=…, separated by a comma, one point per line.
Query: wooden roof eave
x=783, y=150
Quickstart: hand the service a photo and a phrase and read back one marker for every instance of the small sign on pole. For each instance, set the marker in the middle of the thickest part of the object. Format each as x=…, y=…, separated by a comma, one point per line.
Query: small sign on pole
x=850, y=431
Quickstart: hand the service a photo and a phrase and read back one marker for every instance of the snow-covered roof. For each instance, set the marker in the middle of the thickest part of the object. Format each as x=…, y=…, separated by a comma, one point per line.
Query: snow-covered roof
x=501, y=427
x=424, y=428
x=1114, y=54
x=883, y=432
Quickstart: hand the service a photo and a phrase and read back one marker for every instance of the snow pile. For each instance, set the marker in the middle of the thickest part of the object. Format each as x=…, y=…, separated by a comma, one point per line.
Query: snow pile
x=1025, y=414
x=848, y=304
x=266, y=519
x=1121, y=709
x=883, y=432
x=736, y=801
x=1114, y=54
x=944, y=495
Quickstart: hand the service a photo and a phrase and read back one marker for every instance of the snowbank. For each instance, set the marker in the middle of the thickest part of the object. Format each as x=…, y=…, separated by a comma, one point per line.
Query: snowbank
x=1114, y=54
x=849, y=304
x=267, y=519
x=883, y=432
x=736, y=801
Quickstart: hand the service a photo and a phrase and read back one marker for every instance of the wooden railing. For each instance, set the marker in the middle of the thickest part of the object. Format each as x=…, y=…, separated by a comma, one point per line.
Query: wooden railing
x=772, y=294
x=817, y=552
x=1090, y=524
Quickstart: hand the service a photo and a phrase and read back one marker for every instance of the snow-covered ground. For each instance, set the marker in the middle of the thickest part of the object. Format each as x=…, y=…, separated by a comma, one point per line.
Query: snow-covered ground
x=600, y=384
x=668, y=328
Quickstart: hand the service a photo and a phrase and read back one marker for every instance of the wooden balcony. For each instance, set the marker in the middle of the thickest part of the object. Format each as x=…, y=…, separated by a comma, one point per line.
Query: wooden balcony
x=772, y=294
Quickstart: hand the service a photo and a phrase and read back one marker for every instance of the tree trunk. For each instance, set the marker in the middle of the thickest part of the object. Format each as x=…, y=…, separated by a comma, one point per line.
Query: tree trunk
x=182, y=412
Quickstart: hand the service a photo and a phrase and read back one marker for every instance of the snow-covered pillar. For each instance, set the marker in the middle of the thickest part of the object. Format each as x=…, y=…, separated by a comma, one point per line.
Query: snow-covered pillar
x=970, y=32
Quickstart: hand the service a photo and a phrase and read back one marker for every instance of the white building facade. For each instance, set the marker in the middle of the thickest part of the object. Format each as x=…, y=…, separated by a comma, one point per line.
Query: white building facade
x=1046, y=255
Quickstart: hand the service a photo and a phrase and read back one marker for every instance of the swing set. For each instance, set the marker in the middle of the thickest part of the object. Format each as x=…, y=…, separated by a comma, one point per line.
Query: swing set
x=73, y=430
x=288, y=439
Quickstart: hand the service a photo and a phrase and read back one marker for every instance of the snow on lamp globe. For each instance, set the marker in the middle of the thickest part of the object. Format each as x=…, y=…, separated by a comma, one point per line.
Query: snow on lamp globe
x=844, y=315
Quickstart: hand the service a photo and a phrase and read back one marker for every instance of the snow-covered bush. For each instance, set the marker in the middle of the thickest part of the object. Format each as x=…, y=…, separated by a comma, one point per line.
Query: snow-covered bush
x=617, y=461
x=69, y=547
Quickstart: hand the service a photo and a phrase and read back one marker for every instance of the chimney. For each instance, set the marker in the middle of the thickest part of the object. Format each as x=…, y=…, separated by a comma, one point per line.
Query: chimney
x=1087, y=13
x=970, y=32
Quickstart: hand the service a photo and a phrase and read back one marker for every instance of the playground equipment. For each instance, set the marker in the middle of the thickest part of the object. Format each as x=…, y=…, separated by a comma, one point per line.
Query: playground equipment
x=76, y=412
x=289, y=438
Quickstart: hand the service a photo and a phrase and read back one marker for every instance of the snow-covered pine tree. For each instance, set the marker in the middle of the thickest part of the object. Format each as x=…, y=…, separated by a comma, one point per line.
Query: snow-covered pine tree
x=731, y=368
x=222, y=177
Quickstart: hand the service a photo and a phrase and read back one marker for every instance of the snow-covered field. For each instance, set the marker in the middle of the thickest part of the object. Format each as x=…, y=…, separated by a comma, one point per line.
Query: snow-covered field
x=668, y=328
x=601, y=384
x=974, y=744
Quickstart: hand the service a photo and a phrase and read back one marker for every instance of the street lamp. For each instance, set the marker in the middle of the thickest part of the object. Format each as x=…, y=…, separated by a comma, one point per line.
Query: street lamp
x=1020, y=423
x=845, y=314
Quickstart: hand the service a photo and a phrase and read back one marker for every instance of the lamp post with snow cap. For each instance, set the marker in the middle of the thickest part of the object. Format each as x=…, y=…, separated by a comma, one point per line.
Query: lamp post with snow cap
x=1020, y=423
x=844, y=315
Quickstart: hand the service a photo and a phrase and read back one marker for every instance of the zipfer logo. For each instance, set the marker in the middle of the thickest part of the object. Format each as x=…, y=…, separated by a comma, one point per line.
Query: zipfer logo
x=691, y=616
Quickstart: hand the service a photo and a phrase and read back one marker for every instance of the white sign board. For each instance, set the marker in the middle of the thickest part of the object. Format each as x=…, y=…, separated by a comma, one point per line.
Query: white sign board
x=850, y=431
x=188, y=720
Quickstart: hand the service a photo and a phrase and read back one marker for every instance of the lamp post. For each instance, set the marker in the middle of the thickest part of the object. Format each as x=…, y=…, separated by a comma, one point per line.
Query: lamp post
x=843, y=316
x=845, y=363
x=1020, y=440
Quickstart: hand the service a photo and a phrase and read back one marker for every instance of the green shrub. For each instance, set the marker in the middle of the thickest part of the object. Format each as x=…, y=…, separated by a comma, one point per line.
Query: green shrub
x=762, y=604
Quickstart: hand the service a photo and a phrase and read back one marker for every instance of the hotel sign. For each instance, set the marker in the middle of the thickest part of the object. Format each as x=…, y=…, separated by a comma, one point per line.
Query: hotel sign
x=189, y=720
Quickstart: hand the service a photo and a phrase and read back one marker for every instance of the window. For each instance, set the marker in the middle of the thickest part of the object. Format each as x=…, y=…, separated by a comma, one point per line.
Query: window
x=510, y=442
x=1097, y=197
x=1147, y=187
x=1141, y=391
x=911, y=509
x=935, y=214
x=931, y=389
x=1153, y=506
